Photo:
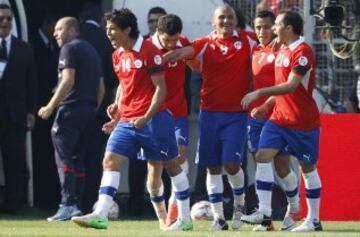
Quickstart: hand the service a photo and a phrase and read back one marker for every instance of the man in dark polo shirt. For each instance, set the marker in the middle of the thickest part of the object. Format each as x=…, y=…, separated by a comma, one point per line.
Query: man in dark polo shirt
x=79, y=90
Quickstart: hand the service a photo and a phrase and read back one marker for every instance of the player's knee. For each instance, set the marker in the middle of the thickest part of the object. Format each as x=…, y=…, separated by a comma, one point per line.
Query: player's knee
x=262, y=157
x=109, y=163
x=282, y=171
x=232, y=168
x=172, y=167
x=306, y=168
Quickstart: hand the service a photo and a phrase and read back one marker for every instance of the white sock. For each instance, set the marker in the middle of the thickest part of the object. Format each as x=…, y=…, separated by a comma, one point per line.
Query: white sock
x=313, y=188
x=264, y=182
x=108, y=187
x=237, y=184
x=180, y=183
x=290, y=186
x=172, y=199
x=215, y=188
x=158, y=202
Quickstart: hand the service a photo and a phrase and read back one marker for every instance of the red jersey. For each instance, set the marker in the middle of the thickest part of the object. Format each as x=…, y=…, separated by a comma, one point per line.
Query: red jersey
x=225, y=67
x=263, y=75
x=175, y=79
x=134, y=69
x=296, y=110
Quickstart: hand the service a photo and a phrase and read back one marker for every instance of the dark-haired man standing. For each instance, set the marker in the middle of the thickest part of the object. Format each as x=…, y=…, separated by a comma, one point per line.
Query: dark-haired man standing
x=139, y=119
x=18, y=102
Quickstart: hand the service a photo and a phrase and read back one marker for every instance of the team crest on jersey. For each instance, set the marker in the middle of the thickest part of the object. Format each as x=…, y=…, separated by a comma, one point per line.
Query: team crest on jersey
x=157, y=59
x=270, y=58
x=286, y=62
x=138, y=63
x=238, y=45
x=303, y=61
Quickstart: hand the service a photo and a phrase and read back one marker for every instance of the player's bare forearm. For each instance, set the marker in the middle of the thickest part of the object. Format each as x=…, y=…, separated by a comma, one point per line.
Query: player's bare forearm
x=114, y=109
x=179, y=54
x=118, y=96
x=157, y=99
x=283, y=88
x=270, y=102
x=100, y=93
x=66, y=84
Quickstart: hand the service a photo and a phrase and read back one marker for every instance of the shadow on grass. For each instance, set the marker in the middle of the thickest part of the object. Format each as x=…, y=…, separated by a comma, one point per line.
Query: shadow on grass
x=28, y=214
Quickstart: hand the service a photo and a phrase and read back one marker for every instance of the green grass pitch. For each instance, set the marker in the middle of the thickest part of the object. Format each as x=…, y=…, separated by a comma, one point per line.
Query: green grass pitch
x=130, y=228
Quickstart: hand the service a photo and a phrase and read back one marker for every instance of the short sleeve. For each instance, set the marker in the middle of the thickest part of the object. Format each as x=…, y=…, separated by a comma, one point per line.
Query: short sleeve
x=67, y=58
x=115, y=61
x=155, y=62
x=301, y=61
x=184, y=41
x=199, y=45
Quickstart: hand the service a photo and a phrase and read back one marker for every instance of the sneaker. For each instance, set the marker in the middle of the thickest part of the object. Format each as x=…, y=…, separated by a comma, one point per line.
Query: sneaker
x=91, y=220
x=266, y=225
x=289, y=220
x=180, y=225
x=172, y=214
x=65, y=213
x=236, y=219
x=219, y=224
x=163, y=225
x=308, y=225
x=255, y=218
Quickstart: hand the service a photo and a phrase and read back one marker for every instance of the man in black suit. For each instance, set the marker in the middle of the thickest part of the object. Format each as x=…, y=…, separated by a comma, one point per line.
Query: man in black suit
x=46, y=188
x=90, y=18
x=18, y=102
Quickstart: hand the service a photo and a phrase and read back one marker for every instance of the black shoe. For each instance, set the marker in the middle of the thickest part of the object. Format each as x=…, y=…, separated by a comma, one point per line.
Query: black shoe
x=219, y=224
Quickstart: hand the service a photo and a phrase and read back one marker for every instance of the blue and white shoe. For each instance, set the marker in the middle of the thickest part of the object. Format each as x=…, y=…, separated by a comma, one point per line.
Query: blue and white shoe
x=308, y=225
x=65, y=213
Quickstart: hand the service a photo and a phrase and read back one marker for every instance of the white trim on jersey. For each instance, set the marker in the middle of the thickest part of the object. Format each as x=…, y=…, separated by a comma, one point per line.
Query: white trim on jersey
x=156, y=41
x=295, y=44
x=252, y=44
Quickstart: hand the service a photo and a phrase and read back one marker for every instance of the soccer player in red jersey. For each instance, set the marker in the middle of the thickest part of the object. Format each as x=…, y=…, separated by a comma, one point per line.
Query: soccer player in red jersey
x=263, y=60
x=139, y=120
x=294, y=123
x=225, y=61
x=167, y=37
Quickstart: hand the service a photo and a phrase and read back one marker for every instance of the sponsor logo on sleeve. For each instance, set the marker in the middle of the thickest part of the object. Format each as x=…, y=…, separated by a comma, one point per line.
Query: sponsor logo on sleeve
x=138, y=63
x=303, y=61
x=157, y=59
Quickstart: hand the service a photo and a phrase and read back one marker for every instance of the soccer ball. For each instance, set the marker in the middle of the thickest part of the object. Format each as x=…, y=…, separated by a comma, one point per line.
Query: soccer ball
x=201, y=211
x=114, y=210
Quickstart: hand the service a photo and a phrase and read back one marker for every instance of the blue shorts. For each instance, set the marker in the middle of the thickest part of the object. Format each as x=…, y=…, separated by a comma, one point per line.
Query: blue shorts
x=222, y=137
x=254, y=129
x=182, y=130
x=255, y=126
x=304, y=145
x=156, y=138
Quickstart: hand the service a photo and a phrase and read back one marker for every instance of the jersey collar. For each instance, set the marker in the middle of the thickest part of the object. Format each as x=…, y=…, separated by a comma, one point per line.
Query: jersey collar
x=137, y=45
x=295, y=44
x=155, y=40
x=214, y=36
